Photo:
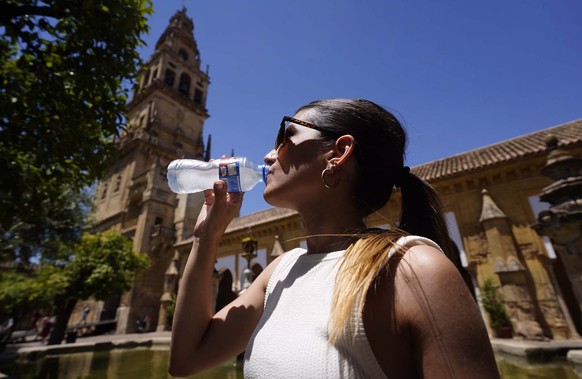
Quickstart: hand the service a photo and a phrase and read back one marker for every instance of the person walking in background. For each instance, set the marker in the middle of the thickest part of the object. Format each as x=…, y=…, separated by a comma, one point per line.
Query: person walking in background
x=86, y=310
x=143, y=325
x=47, y=326
x=359, y=301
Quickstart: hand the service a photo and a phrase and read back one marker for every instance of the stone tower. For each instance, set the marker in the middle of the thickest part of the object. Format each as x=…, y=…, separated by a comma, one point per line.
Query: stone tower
x=165, y=122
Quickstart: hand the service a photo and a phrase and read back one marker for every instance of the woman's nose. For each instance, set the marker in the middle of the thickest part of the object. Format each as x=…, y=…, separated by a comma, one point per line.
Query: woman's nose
x=271, y=157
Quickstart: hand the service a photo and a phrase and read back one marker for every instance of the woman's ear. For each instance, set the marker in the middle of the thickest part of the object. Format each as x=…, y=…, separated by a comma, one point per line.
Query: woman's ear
x=343, y=149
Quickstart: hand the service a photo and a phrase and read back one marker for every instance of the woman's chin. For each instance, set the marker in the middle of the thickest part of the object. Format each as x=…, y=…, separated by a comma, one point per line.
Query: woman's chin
x=272, y=198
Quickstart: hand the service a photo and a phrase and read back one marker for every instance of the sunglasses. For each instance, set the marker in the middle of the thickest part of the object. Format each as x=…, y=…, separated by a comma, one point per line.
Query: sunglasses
x=282, y=135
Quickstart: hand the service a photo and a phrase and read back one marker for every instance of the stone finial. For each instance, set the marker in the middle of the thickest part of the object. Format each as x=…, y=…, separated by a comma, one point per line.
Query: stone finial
x=551, y=142
x=172, y=270
x=560, y=164
x=166, y=297
x=207, y=152
x=277, y=248
x=490, y=210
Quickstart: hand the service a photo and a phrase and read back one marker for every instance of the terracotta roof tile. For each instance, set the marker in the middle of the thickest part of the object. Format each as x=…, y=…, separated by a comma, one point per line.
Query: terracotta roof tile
x=261, y=217
x=515, y=148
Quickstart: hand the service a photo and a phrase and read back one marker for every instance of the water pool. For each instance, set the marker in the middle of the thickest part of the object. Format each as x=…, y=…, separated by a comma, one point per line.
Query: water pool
x=143, y=363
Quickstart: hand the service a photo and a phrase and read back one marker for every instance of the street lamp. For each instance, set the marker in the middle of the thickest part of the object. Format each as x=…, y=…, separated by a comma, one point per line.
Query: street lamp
x=249, y=247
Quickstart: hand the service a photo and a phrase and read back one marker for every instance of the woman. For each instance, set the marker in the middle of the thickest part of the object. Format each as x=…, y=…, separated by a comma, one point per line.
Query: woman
x=359, y=302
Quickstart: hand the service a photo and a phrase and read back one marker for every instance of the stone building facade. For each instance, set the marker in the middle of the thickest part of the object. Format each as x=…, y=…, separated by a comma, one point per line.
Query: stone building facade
x=165, y=122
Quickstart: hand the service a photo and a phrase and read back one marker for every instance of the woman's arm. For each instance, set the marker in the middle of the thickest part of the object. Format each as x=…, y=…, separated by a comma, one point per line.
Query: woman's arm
x=201, y=340
x=450, y=338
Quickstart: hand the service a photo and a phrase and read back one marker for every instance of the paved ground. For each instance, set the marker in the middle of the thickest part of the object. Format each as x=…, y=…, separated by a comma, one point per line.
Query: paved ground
x=36, y=349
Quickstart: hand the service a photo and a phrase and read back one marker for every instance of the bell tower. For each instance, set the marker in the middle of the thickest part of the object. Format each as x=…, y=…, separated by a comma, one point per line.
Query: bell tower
x=165, y=120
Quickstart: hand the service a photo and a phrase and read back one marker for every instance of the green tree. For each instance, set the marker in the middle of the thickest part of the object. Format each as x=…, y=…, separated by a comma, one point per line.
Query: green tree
x=20, y=293
x=49, y=236
x=170, y=310
x=71, y=266
x=62, y=100
x=101, y=266
x=58, y=221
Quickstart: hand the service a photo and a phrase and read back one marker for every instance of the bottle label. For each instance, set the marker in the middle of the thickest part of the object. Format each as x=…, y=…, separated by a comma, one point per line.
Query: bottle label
x=229, y=171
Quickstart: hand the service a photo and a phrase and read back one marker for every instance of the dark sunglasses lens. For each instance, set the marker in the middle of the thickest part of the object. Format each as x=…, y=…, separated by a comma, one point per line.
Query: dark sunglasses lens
x=280, y=135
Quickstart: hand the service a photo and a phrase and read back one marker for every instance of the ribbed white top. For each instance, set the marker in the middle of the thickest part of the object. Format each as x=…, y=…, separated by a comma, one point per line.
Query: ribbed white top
x=291, y=339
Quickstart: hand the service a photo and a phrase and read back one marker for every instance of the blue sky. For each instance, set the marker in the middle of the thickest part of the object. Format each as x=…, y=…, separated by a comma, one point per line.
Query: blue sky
x=459, y=75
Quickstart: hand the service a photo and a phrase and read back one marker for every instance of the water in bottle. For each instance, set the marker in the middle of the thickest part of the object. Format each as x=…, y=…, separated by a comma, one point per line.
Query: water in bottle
x=190, y=175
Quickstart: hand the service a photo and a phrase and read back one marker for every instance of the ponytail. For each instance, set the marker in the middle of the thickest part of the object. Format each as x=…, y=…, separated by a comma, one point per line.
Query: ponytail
x=422, y=214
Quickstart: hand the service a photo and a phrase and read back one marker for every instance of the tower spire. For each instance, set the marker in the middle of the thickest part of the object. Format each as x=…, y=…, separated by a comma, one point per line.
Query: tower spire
x=180, y=28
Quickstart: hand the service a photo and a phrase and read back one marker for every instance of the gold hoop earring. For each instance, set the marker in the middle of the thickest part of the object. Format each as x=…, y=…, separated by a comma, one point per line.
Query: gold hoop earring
x=330, y=171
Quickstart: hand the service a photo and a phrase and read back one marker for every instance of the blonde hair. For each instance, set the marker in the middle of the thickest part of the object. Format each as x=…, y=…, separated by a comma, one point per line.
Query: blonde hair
x=362, y=264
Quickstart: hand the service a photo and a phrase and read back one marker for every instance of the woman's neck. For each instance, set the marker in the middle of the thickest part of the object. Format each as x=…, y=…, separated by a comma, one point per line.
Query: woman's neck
x=331, y=230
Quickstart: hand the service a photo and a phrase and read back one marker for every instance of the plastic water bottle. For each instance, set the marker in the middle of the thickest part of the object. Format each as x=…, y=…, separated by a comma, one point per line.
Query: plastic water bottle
x=190, y=175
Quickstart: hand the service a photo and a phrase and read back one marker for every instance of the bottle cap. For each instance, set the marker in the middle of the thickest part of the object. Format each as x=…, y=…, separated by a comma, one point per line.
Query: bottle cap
x=265, y=169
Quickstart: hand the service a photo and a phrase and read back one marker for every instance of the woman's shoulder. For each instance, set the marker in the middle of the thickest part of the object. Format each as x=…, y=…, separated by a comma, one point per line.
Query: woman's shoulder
x=279, y=266
x=429, y=282
x=409, y=241
x=286, y=259
x=426, y=264
x=443, y=318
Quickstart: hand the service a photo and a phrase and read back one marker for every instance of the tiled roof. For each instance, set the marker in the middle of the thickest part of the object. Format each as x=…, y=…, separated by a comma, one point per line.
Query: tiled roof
x=502, y=152
x=515, y=148
x=261, y=217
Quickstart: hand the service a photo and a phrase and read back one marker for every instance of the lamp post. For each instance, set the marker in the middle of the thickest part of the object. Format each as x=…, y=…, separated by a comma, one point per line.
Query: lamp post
x=249, y=247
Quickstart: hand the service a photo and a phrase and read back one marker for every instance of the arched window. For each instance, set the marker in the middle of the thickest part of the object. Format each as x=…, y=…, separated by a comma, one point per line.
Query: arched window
x=183, y=54
x=198, y=96
x=184, y=87
x=170, y=77
x=117, y=183
x=104, y=190
x=146, y=79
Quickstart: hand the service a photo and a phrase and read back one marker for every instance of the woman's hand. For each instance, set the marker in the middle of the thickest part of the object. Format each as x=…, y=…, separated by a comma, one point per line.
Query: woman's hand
x=219, y=208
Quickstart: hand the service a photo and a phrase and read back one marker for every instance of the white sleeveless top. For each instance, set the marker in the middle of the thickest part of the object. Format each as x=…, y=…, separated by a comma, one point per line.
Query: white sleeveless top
x=291, y=338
